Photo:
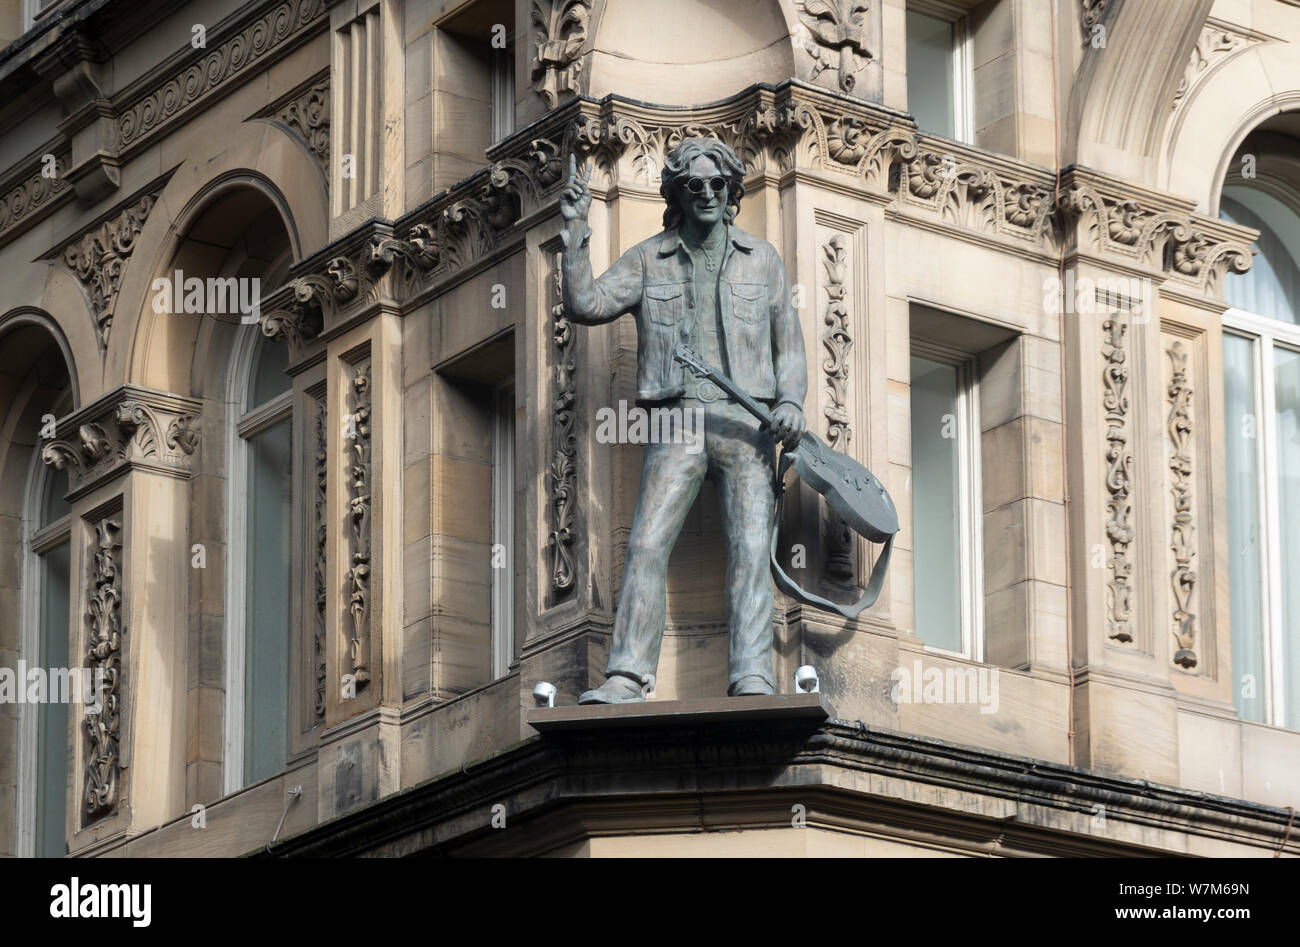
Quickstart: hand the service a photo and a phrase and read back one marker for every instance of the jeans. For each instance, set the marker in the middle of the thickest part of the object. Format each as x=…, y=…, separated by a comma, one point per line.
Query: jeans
x=739, y=458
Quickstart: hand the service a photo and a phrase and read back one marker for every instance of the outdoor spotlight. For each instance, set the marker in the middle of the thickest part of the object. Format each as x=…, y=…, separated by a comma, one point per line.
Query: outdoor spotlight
x=805, y=680
x=544, y=694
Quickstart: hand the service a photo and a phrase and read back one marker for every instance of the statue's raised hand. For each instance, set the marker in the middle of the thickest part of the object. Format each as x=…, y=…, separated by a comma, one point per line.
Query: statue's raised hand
x=575, y=199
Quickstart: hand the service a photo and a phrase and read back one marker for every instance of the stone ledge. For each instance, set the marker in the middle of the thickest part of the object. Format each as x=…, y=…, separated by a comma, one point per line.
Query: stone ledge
x=700, y=710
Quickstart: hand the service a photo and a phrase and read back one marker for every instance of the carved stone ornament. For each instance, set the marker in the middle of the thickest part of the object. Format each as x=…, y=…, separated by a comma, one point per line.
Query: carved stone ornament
x=1090, y=14
x=1215, y=46
x=836, y=38
x=837, y=340
x=104, y=634
x=130, y=427
x=559, y=33
x=320, y=457
x=1119, y=482
x=357, y=445
x=305, y=113
x=99, y=260
x=563, y=474
x=339, y=281
x=1182, y=530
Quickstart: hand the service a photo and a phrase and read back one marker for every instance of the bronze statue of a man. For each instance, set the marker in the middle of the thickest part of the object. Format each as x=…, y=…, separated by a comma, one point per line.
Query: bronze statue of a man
x=704, y=282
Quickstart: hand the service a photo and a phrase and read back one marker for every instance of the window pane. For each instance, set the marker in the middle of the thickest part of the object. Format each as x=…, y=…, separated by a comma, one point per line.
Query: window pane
x=1272, y=285
x=503, y=92
x=1286, y=389
x=267, y=378
x=935, y=511
x=1245, y=559
x=52, y=718
x=266, y=655
x=929, y=73
x=503, y=492
x=54, y=504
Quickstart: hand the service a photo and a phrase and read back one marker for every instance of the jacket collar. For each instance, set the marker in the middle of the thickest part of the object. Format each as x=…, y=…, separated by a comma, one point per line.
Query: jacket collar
x=672, y=240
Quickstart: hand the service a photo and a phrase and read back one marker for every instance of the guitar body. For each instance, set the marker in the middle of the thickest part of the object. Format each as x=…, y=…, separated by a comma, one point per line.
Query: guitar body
x=850, y=489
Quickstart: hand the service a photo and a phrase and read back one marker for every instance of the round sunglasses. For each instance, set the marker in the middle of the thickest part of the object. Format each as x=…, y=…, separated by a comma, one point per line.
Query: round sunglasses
x=716, y=184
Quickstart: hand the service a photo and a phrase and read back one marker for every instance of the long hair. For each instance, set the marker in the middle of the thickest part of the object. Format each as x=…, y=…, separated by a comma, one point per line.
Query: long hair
x=677, y=170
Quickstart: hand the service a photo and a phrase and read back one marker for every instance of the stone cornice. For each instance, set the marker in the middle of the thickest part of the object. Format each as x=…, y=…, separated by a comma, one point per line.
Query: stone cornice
x=661, y=764
x=131, y=427
x=778, y=131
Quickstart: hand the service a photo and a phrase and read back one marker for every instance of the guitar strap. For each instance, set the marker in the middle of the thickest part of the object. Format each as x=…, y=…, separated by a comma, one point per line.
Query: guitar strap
x=793, y=589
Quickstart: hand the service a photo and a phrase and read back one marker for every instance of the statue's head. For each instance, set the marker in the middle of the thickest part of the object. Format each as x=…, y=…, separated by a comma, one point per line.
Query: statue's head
x=691, y=172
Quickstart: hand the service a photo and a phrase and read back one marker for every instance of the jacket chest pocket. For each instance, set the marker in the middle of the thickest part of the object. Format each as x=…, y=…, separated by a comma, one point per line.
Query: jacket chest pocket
x=663, y=303
x=749, y=302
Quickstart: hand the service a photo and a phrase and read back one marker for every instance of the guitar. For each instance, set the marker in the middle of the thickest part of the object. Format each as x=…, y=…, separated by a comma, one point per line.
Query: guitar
x=850, y=489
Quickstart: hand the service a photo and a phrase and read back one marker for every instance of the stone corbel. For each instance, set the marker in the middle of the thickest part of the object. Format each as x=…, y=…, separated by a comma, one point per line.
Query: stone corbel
x=73, y=68
x=130, y=427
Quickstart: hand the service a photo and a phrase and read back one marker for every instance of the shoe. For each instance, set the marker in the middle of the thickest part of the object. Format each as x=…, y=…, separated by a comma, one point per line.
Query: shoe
x=751, y=685
x=616, y=690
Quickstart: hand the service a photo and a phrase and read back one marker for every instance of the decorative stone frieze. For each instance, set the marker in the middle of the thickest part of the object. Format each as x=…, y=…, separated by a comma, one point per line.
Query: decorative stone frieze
x=104, y=634
x=563, y=473
x=228, y=60
x=32, y=196
x=130, y=427
x=1119, y=482
x=320, y=457
x=793, y=127
x=357, y=446
x=1143, y=229
x=837, y=340
x=1182, y=529
x=559, y=34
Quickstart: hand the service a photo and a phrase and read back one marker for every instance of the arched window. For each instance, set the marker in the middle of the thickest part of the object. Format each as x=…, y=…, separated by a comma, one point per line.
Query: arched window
x=1261, y=367
x=46, y=656
x=258, y=604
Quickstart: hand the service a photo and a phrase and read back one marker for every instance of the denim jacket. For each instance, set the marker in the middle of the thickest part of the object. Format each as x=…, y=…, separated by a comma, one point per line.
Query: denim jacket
x=654, y=281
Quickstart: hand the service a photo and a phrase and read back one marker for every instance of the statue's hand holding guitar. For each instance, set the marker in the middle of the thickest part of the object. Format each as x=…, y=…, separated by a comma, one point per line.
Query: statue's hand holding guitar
x=787, y=424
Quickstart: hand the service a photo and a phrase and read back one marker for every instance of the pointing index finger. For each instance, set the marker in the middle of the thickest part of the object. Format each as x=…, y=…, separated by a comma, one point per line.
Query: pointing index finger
x=573, y=167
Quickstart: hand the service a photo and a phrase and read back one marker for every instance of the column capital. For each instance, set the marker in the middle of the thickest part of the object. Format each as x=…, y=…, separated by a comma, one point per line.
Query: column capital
x=127, y=428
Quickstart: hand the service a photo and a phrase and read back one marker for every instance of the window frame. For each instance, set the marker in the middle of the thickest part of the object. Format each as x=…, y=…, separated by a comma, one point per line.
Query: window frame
x=970, y=496
x=1264, y=334
x=963, y=59
x=243, y=424
x=37, y=541
x=503, y=528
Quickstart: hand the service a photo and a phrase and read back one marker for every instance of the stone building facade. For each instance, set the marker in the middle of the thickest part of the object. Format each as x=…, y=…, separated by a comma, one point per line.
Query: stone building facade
x=322, y=548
